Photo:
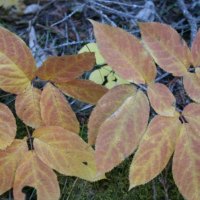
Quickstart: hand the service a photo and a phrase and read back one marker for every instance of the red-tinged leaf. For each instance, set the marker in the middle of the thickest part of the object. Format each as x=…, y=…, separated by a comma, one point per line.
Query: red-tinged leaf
x=192, y=115
x=161, y=99
x=192, y=86
x=83, y=90
x=7, y=126
x=119, y=135
x=9, y=160
x=56, y=111
x=195, y=50
x=66, y=68
x=106, y=106
x=34, y=173
x=17, y=65
x=124, y=53
x=186, y=163
x=166, y=46
x=27, y=105
x=65, y=152
x=155, y=149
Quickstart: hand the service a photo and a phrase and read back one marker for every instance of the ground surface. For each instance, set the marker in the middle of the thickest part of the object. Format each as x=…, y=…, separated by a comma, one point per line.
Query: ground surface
x=61, y=27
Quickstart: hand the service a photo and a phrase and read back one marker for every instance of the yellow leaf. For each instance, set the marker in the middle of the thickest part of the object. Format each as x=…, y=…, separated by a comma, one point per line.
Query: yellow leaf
x=92, y=47
x=7, y=126
x=124, y=53
x=27, y=105
x=9, y=160
x=65, y=152
x=9, y=3
x=83, y=90
x=34, y=173
x=17, y=65
x=161, y=99
x=120, y=134
x=167, y=47
x=155, y=149
x=56, y=111
x=106, y=106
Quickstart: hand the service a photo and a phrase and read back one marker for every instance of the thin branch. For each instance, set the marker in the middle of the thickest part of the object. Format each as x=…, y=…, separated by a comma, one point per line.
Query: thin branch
x=191, y=20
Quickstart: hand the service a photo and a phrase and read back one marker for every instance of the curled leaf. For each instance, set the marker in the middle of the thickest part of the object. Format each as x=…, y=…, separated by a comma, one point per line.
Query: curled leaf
x=37, y=175
x=166, y=46
x=83, y=90
x=17, y=65
x=65, y=68
x=7, y=126
x=56, y=111
x=161, y=99
x=27, y=105
x=120, y=134
x=124, y=53
x=155, y=149
x=106, y=106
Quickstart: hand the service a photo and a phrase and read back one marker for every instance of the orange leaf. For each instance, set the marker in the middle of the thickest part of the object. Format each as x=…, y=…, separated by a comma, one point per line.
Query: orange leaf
x=27, y=105
x=124, y=53
x=83, y=90
x=66, y=68
x=119, y=134
x=106, y=106
x=192, y=86
x=161, y=99
x=195, y=50
x=34, y=173
x=17, y=65
x=56, y=111
x=166, y=46
x=186, y=163
x=7, y=126
x=65, y=152
x=155, y=149
x=9, y=160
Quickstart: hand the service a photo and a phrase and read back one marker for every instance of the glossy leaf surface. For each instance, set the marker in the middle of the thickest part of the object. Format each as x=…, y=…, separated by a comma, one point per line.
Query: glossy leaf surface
x=66, y=68
x=65, y=152
x=56, y=111
x=83, y=90
x=34, y=173
x=7, y=126
x=124, y=53
x=166, y=46
x=27, y=105
x=106, y=106
x=120, y=133
x=155, y=149
x=17, y=65
x=161, y=99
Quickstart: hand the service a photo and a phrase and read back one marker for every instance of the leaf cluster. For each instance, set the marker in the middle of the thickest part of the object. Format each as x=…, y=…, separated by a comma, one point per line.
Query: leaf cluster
x=55, y=143
x=119, y=124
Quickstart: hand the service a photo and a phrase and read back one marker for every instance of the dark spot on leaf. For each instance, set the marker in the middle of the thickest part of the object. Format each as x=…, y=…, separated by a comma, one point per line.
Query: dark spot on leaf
x=85, y=163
